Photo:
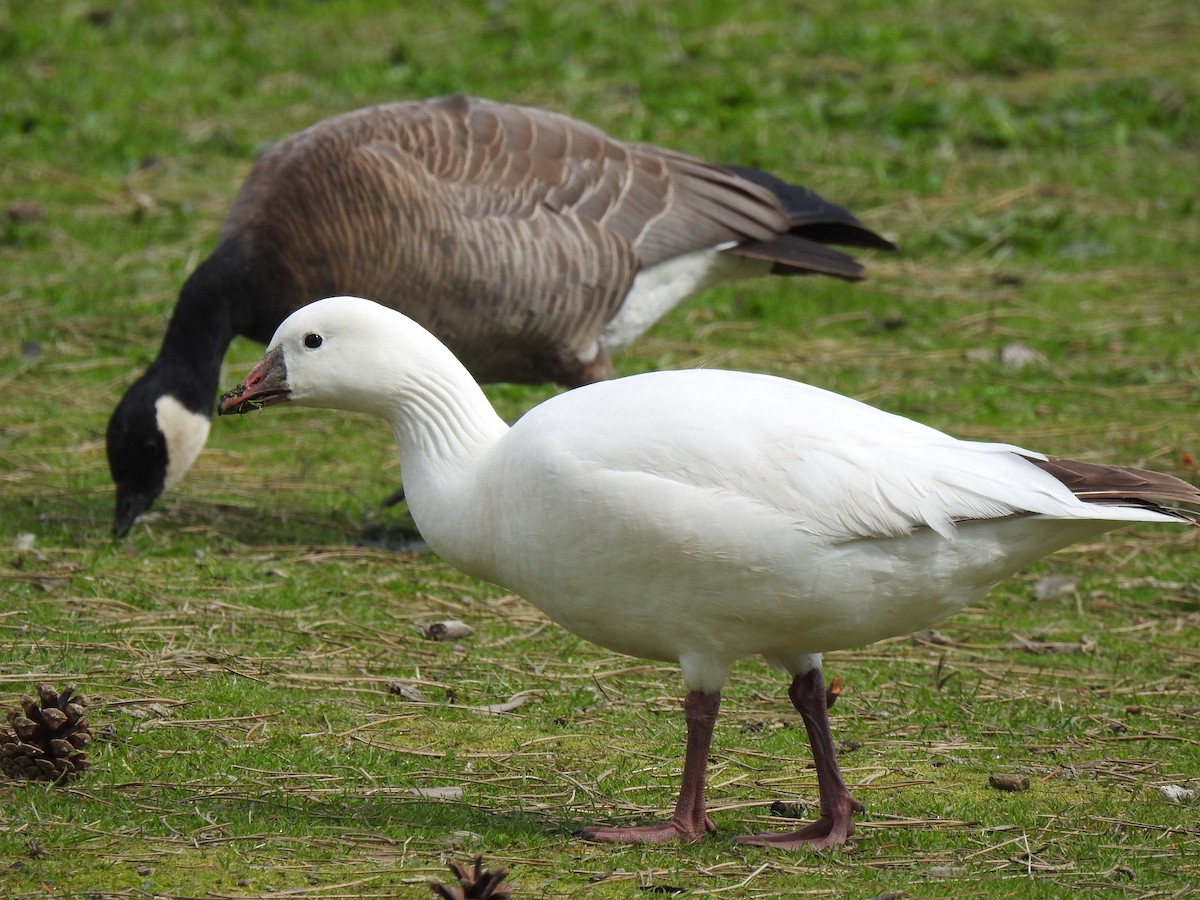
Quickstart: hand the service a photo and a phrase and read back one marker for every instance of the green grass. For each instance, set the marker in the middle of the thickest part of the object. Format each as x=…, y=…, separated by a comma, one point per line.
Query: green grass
x=1036, y=164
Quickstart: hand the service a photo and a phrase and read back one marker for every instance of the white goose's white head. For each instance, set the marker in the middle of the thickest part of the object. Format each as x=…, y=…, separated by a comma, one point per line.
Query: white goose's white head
x=354, y=354
x=347, y=353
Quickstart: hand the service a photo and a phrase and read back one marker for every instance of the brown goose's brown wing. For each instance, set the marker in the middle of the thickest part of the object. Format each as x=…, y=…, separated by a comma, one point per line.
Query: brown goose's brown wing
x=500, y=160
x=1122, y=485
x=517, y=297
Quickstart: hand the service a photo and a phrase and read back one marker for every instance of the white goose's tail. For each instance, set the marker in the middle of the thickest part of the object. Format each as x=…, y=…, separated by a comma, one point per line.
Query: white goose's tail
x=1137, y=490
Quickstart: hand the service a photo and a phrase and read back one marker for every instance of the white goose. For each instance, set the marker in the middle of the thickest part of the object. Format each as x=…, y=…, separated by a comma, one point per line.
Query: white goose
x=703, y=516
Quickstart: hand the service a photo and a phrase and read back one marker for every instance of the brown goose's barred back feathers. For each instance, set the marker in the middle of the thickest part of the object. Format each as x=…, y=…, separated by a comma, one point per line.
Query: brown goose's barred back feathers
x=1124, y=486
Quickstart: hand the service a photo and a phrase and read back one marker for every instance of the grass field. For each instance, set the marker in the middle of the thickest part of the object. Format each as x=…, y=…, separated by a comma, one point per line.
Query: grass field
x=274, y=721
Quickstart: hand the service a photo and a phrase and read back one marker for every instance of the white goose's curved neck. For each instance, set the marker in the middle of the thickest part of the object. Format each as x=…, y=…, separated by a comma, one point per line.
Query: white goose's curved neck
x=445, y=433
x=442, y=424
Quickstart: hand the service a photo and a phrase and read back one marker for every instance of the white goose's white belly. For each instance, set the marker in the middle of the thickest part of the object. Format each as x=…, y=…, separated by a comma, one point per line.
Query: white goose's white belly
x=678, y=586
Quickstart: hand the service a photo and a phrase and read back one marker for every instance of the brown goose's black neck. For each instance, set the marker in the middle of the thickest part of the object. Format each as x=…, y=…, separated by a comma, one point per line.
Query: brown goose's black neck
x=227, y=295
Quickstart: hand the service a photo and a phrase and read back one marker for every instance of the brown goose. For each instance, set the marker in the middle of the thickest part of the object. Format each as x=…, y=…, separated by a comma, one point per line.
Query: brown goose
x=534, y=245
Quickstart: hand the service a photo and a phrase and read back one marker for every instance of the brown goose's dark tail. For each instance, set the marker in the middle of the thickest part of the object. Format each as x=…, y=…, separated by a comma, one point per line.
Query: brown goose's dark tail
x=1125, y=486
x=815, y=223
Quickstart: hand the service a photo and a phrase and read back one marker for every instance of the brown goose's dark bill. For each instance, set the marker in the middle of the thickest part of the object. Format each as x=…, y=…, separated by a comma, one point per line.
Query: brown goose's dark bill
x=265, y=385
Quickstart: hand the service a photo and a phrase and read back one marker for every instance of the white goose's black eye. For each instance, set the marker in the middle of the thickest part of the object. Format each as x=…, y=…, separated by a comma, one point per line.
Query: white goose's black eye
x=312, y=341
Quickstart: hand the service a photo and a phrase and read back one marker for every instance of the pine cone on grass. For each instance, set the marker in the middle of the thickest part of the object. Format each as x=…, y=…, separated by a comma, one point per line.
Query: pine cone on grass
x=479, y=884
x=45, y=738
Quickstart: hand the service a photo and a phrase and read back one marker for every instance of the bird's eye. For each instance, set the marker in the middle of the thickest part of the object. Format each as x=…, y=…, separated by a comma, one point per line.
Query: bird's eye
x=312, y=341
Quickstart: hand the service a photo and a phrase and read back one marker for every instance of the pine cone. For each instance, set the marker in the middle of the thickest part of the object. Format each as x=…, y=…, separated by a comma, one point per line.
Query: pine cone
x=477, y=885
x=44, y=742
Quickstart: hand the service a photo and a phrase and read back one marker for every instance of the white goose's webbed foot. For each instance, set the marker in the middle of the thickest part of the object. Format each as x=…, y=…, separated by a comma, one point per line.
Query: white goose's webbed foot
x=690, y=821
x=836, y=822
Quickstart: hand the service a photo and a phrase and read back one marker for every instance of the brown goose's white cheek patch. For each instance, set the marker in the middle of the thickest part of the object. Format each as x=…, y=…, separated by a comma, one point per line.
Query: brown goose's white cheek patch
x=185, y=433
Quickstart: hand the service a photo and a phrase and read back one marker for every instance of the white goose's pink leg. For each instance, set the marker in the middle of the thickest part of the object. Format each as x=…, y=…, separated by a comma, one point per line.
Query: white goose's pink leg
x=690, y=822
x=836, y=822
